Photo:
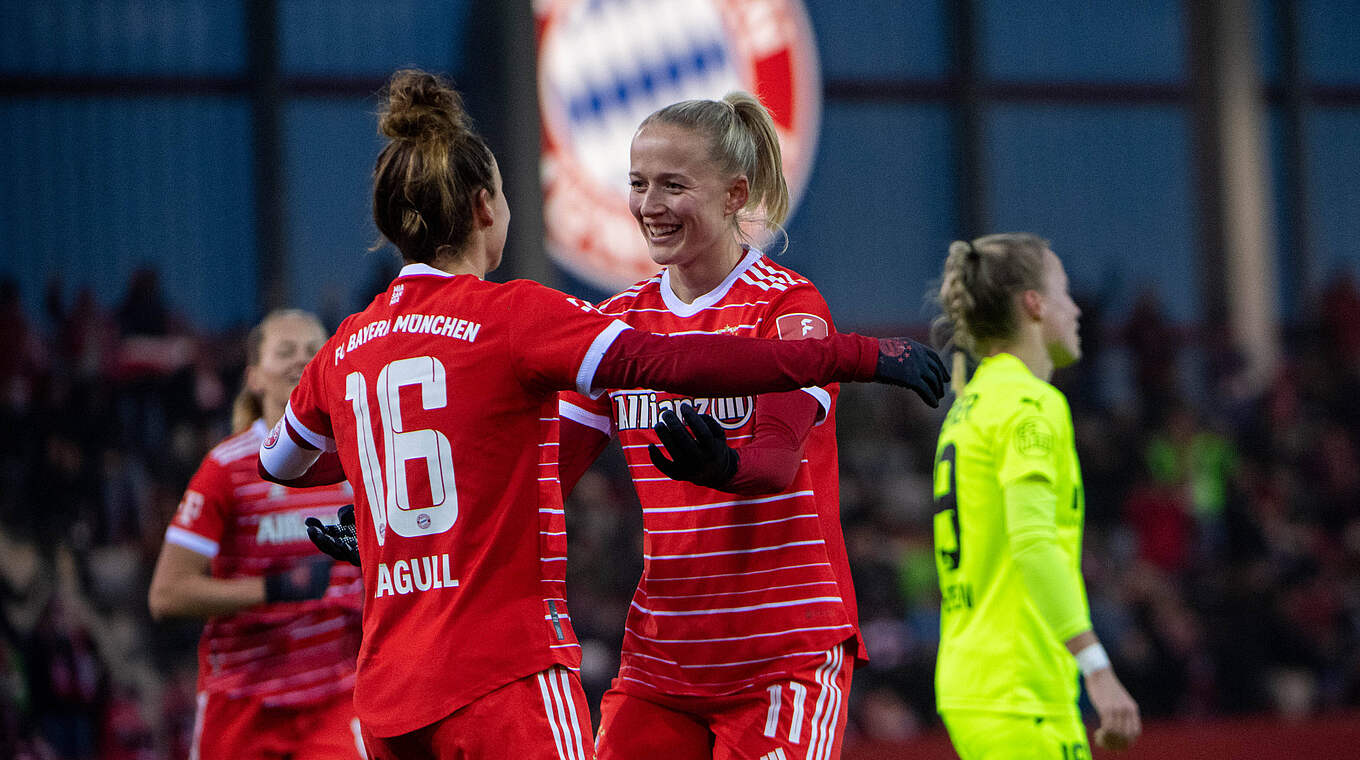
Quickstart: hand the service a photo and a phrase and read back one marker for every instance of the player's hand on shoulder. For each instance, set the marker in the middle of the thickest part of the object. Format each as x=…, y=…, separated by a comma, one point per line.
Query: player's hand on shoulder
x=1120, y=724
x=339, y=540
x=912, y=364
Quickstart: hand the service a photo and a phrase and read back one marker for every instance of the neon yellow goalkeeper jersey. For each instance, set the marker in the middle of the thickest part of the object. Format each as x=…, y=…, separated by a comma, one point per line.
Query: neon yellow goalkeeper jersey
x=998, y=651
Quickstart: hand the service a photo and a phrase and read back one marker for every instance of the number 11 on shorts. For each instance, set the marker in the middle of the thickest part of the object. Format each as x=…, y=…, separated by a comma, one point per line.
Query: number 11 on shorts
x=795, y=720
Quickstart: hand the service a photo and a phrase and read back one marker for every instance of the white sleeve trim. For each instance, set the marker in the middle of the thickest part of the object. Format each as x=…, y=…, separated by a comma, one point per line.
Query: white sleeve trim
x=585, y=376
x=823, y=400
x=575, y=413
x=316, y=439
x=286, y=460
x=191, y=541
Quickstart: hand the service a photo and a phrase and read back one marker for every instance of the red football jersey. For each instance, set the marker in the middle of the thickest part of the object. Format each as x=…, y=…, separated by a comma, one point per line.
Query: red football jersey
x=734, y=589
x=287, y=653
x=441, y=400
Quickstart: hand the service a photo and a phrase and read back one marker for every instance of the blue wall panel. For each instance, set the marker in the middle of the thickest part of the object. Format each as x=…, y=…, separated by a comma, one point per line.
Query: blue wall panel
x=1110, y=187
x=123, y=37
x=331, y=145
x=1333, y=169
x=1084, y=40
x=882, y=39
x=97, y=187
x=878, y=214
x=357, y=37
x=1330, y=44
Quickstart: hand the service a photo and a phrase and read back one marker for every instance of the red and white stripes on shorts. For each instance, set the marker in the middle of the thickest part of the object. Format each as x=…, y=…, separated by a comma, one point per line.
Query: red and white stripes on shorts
x=555, y=686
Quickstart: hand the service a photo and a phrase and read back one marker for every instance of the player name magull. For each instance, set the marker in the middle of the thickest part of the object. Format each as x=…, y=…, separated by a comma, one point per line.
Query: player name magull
x=416, y=574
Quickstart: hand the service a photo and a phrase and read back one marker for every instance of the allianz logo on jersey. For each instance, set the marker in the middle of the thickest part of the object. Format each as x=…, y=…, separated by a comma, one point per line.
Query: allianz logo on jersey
x=283, y=527
x=634, y=410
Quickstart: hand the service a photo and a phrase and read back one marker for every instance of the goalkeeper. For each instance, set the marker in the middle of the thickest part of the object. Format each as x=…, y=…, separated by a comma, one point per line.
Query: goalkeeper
x=1015, y=628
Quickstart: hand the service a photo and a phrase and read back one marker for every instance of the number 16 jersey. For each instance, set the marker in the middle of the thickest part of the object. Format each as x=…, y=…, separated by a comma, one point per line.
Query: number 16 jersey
x=441, y=400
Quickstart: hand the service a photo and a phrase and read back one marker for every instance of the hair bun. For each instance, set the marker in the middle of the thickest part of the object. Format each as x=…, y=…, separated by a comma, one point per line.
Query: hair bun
x=421, y=107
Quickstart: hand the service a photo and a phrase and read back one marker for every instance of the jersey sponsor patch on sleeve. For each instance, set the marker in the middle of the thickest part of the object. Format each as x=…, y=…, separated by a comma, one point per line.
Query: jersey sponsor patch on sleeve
x=800, y=326
x=1034, y=437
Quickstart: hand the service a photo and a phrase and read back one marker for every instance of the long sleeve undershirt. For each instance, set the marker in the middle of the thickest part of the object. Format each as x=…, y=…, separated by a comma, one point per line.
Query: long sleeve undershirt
x=1032, y=533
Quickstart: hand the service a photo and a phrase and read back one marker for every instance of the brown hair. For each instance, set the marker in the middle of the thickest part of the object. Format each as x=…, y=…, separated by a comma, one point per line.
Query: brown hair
x=980, y=281
x=247, y=407
x=742, y=140
x=427, y=177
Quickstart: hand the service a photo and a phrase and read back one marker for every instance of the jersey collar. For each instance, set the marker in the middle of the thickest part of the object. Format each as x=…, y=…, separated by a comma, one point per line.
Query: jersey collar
x=1005, y=362
x=420, y=269
x=682, y=309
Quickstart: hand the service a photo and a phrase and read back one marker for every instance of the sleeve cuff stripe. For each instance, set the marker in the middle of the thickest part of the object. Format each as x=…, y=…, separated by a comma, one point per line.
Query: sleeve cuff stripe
x=823, y=400
x=589, y=419
x=316, y=440
x=191, y=541
x=585, y=376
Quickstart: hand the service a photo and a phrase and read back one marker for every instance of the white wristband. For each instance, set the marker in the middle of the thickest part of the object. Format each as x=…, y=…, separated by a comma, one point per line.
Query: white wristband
x=1092, y=659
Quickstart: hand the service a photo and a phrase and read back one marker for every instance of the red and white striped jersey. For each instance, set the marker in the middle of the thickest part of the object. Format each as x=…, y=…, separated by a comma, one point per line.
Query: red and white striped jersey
x=441, y=399
x=735, y=590
x=287, y=653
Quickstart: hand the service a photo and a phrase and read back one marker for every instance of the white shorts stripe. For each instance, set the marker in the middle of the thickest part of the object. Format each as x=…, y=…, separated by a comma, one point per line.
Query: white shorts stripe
x=571, y=708
x=813, y=731
x=552, y=719
x=825, y=725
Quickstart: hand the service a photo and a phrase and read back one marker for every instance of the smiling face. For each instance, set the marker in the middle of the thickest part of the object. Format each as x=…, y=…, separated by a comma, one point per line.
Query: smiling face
x=684, y=205
x=1060, y=314
x=289, y=342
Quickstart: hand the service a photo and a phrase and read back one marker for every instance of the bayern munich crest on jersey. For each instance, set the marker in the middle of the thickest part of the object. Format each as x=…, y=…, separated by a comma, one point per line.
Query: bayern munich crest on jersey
x=273, y=437
x=604, y=65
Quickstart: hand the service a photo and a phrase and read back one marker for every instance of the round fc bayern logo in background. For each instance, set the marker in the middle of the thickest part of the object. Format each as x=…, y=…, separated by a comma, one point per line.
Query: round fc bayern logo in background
x=605, y=65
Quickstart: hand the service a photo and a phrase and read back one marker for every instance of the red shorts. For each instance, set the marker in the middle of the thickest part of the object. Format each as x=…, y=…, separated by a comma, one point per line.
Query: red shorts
x=539, y=717
x=231, y=728
x=802, y=717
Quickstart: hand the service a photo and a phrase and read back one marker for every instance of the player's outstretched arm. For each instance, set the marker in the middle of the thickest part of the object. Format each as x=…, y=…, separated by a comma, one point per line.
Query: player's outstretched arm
x=723, y=364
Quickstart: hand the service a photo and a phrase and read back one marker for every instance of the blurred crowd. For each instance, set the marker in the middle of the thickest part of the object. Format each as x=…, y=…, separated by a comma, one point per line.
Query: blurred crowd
x=1222, y=551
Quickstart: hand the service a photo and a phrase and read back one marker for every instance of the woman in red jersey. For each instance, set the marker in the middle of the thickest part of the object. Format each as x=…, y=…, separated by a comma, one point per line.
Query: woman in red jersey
x=742, y=634
x=276, y=660
x=440, y=399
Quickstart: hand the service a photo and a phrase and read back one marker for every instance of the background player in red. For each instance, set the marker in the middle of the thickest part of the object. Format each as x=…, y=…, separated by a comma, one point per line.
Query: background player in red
x=276, y=660
x=440, y=398
x=742, y=634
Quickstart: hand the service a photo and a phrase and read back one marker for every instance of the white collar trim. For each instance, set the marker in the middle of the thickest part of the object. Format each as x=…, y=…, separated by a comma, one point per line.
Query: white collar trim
x=682, y=309
x=411, y=269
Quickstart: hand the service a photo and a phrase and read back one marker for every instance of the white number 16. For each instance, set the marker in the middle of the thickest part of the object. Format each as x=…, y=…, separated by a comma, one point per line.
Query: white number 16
x=391, y=505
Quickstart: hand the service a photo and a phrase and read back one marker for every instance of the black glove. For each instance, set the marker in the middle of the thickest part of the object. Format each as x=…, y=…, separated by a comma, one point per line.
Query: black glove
x=699, y=453
x=905, y=362
x=338, y=541
x=308, y=579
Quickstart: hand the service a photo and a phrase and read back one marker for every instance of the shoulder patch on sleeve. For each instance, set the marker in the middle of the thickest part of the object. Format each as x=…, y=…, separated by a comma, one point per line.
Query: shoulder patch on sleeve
x=800, y=326
x=1033, y=437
